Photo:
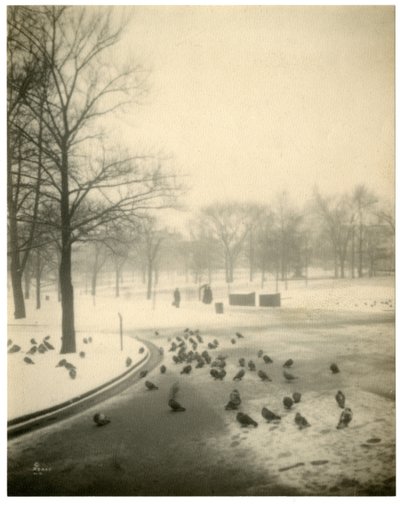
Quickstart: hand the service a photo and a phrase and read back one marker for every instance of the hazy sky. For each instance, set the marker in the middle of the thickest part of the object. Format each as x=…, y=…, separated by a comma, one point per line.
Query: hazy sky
x=253, y=100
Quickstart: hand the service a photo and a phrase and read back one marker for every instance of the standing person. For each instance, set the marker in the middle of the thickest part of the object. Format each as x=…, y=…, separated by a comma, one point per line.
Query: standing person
x=177, y=298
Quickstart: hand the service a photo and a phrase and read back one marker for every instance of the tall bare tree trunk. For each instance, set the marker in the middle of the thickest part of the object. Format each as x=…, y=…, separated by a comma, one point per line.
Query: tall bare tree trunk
x=27, y=280
x=38, y=274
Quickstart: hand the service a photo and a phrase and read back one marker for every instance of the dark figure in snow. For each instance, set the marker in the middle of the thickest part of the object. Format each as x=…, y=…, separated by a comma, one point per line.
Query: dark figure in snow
x=177, y=298
x=207, y=295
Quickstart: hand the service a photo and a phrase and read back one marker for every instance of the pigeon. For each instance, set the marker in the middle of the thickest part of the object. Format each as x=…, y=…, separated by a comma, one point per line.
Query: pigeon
x=239, y=335
x=101, y=419
x=69, y=366
x=200, y=363
x=242, y=362
x=288, y=376
x=252, y=366
x=72, y=373
x=245, y=420
x=48, y=345
x=239, y=376
x=211, y=346
x=233, y=341
x=85, y=341
x=33, y=341
x=174, y=390
x=221, y=374
x=47, y=337
x=61, y=363
x=234, y=401
x=267, y=359
x=143, y=373
x=199, y=338
x=163, y=368
x=14, y=348
x=128, y=362
x=334, y=368
x=175, y=406
x=296, y=397
x=150, y=386
x=288, y=363
x=263, y=376
x=187, y=369
x=301, y=421
x=32, y=350
x=341, y=399
x=269, y=416
x=42, y=348
x=287, y=402
x=345, y=417
x=28, y=361
x=82, y=354
x=9, y=342
x=141, y=350
x=173, y=347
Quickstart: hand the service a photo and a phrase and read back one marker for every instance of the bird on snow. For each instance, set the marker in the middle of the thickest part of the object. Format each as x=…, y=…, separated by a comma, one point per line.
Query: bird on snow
x=69, y=366
x=200, y=363
x=239, y=376
x=214, y=373
x=187, y=369
x=233, y=341
x=143, y=373
x=287, y=402
x=32, y=350
x=242, y=362
x=296, y=397
x=175, y=406
x=301, y=421
x=141, y=350
x=234, y=400
x=252, y=366
x=9, y=342
x=33, y=341
x=341, y=399
x=345, y=417
x=14, y=348
x=259, y=354
x=156, y=333
x=101, y=419
x=82, y=354
x=128, y=362
x=150, y=386
x=28, y=361
x=48, y=345
x=269, y=415
x=163, y=368
x=245, y=420
x=42, y=348
x=263, y=376
x=47, y=337
x=288, y=363
x=239, y=335
x=221, y=374
x=61, y=363
x=334, y=368
x=267, y=359
x=199, y=338
x=85, y=341
x=288, y=376
x=72, y=373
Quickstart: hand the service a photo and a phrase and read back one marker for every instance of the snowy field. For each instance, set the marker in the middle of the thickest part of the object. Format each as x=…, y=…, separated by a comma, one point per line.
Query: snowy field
x=347, y=322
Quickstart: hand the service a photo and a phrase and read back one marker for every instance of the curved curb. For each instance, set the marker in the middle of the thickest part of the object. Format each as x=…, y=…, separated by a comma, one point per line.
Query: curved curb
x=28, y=422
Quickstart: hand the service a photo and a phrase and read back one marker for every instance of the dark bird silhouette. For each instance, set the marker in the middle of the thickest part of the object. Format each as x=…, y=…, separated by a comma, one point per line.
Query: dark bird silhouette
x=211, y=345
x=214, y=373
x=28, y=361
x=234, y=400
x=345, y=417
x=82, y=354
x=216, y=342
x=296, y=397
x=42, y=348
x=33, y=341
x=263, y=376
x=341, y=399
x=239, y=335
x=242, y=362
x=239, y=376
x=301, y=421
x=47, y=337
x=101, y=419
x=32, y=350
x=287, y=402
x=128, y=362
x=85, y=341
x=69, y=366
x=14, y=348
x=288, y=363
x=199, y=338
x=175, y=406
x=252, y=366
x=48, y=345
x=200, y=363
x=259, y=354
x=233, y=341
x=150, y=386
x=72, y=373
x=141, y=350
x=288, y=376
x=221, y=374
x=269, y=416
x=267, y=359
x=245, y=420
x=9, y=342
x=334, y=368
x=61, y=363
x=163, y=368
x=173, y=347
x=156, y=333
x=187, y=369
x=143, y=373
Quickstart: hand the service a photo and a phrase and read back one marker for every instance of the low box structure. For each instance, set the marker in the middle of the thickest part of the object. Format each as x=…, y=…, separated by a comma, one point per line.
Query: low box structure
x=270, y=300
x=244, y=299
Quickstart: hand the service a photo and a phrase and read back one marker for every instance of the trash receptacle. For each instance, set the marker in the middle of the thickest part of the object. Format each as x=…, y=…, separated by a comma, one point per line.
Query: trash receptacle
x=219, y=308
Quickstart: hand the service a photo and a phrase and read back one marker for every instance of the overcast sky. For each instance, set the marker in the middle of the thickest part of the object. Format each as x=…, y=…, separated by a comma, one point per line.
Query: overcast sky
x=253, y=100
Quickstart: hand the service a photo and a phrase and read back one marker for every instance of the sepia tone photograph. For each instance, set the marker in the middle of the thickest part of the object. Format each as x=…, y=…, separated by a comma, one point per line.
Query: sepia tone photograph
x=200, y=251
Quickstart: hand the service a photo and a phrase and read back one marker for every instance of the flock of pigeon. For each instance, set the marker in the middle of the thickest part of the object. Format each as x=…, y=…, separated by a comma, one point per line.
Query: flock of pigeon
x=185, y=352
